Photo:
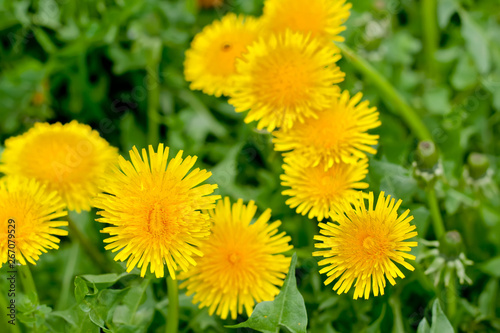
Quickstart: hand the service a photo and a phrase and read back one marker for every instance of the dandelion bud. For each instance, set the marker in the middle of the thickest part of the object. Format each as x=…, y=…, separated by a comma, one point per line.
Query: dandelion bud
x=427, y=155
x=450, y=245
x=426, y=165
x=478, y=165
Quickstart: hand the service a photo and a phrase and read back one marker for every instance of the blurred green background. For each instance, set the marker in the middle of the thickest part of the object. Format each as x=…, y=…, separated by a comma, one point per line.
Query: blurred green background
x=111, y=64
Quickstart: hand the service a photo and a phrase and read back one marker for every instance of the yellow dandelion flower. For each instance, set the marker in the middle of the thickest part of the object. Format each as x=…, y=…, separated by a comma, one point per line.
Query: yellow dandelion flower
x=364, y=244
x=338, y=134
x=67, y=158
x=29, y=217
x=316, y=191
x=154, y=208
x=242, y=262
x=284, y=79
x=210, y=62
x=321, y=18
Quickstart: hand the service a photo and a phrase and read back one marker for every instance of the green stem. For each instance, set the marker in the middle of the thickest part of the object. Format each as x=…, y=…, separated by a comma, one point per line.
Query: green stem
x=4, y=313
x=96, y=256
x=451, y=297
x=398, y=325
x=27, y=281
x=437, y=221
x=68, y=277
x=29, y=287
x=144, y=286
x=391, y=95
x=153, y=87
x=430, y=35
x=173, y=306
x=423, y=279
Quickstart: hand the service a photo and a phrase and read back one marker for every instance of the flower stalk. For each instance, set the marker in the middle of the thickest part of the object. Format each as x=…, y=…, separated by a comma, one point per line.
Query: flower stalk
x=437, y=220
x=96, y=256
x=173, y=306
x=391, y=95
x=153, y=103
x=29, y=287
x=430, y=35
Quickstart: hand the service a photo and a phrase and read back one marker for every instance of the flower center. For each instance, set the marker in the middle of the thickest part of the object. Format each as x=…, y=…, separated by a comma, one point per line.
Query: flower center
x=161, y=222
x=233, y=258
x=369, y=243
x=223, y=54
x=329, y=131
x=285, y=78
x=328, y=184
x=59, y=158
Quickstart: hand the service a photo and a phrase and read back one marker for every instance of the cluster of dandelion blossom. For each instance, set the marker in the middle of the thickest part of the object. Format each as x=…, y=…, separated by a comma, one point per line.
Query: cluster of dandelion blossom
x=286, y=80
x=242, y=263
x=49, y=168
x=281, y=67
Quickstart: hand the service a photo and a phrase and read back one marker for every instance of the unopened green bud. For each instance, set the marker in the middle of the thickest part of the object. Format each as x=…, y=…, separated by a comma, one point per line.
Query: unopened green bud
x=427, y=155
x=451, y=245
x=478, y=165
x=427, y=168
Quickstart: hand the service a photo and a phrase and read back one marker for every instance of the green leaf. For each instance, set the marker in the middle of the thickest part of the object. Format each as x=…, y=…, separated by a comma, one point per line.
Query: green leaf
x=491, y=267
x=103, y=280
x=488, y=298
x=446, y=8
x=465, y=74
x=423, y=326
x=440, y=323
x=286, y=311
x=375, y=326
x=476, y=42
x=128, y=311
x=437, y=100
x=81, y=289
x=391, y=178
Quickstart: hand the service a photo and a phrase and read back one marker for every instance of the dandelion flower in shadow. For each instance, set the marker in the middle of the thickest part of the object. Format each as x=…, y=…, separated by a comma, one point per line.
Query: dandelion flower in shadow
x=315, y=191
x=68, y=158
x=154, y=207
x=210, y=63
x=363, y=245
x=338, y=134
x=242, y=262
x=321, y=18
x=33, y=213
x=210, y=3
x=284, y=79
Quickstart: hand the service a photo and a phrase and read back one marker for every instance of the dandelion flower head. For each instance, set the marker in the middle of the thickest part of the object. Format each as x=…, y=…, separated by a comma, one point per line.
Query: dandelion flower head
x=338, y=134
x=210, y=62
x=34, y=214
x=242, y=263
x=321, y=18
x=154, y=207
x=284, y=79
x=363, y=245
x=67, y=158
x=210, y=3
x=315, y=191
